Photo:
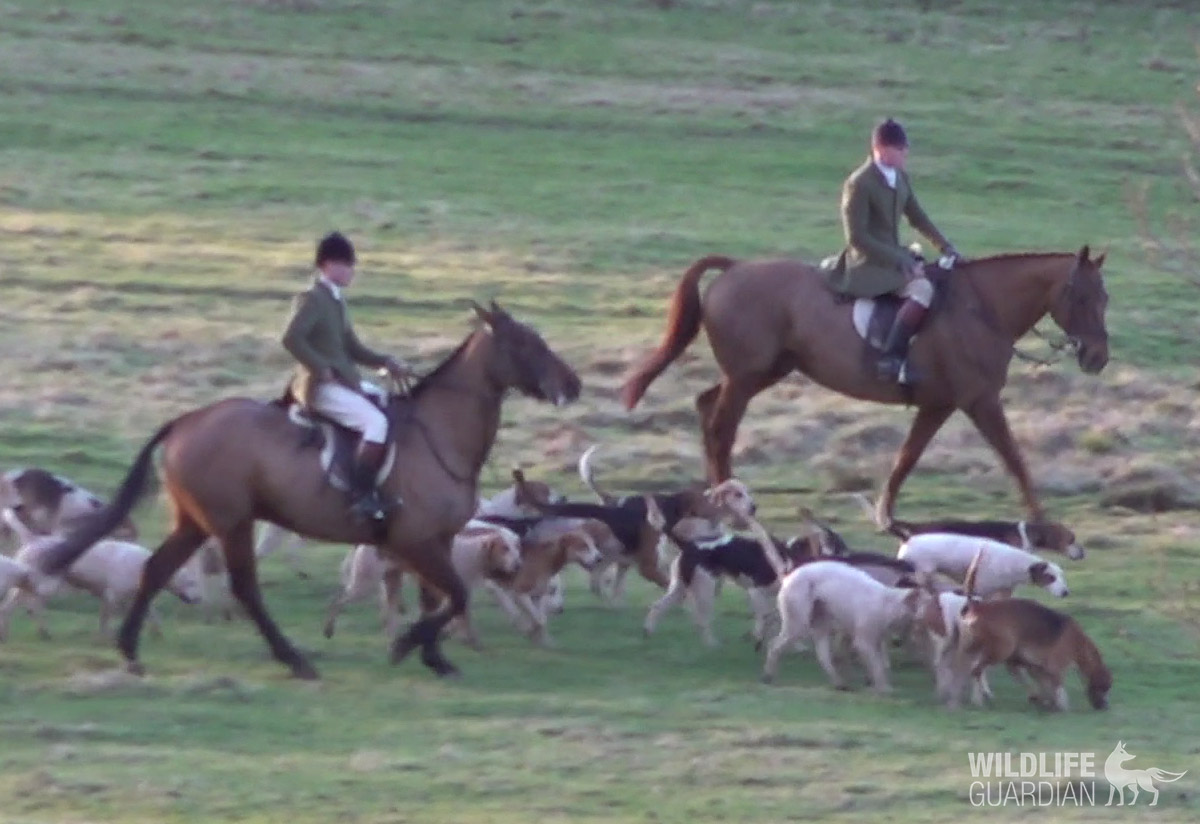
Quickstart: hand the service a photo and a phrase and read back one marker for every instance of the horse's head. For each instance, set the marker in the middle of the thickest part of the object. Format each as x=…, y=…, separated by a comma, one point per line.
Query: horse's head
x=1079, y=310
x=523, y=361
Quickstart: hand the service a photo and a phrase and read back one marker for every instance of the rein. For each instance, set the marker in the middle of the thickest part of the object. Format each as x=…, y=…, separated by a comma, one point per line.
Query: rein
x=415, y=419
x=1061, y=347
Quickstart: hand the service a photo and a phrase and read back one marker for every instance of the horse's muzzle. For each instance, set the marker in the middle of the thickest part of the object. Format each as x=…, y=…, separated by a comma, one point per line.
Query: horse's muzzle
x=1092, y=360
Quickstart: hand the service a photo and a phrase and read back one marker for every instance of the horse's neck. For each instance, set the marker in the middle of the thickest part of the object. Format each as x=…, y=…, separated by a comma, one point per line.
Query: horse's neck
x=1019, y=292
x=460, y=410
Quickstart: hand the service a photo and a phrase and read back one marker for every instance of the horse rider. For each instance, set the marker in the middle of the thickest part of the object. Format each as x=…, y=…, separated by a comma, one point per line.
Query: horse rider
x=873, y=262
x=327, y=381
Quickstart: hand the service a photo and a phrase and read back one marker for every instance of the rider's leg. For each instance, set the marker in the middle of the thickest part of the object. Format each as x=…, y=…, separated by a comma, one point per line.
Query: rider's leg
x=918, y=294
x=353, y=410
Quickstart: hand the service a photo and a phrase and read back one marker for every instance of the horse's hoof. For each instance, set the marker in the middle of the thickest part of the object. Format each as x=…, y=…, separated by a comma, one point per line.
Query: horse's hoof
x=305, y=671
x=135, y=668
x=401, y=649
x=449, y=672
x=329, y=630
x=767, y=678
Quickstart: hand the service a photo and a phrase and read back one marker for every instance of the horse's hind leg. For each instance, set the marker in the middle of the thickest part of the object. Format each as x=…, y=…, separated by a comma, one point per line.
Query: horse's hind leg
x=925, y=425
x=989, y=418
x=431, y=564
x=171, y=554
x=727, y=411
x=243, y=583
x=704, y=409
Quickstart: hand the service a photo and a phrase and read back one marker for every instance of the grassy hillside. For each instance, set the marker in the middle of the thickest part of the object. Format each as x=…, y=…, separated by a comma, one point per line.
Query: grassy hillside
x=166, y=168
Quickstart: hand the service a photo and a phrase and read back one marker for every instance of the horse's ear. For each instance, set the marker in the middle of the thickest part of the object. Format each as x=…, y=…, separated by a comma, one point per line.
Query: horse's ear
x=1084, y=252
x=483, y=314
x=1098, y=261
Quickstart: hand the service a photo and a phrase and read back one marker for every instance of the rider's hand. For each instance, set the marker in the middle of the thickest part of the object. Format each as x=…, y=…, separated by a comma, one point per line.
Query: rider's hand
x=398, y=369
x=949, y=251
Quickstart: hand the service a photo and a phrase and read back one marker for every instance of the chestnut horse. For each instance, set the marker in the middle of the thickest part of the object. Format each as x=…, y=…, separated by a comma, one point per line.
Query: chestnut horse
x=766, y=318
x=239, y=460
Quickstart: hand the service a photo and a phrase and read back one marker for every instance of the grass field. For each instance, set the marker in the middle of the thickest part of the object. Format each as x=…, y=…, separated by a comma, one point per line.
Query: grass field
x=165, y=171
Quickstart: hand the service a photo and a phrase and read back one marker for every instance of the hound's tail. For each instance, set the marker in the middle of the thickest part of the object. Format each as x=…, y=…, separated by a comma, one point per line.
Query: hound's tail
x=589, y=476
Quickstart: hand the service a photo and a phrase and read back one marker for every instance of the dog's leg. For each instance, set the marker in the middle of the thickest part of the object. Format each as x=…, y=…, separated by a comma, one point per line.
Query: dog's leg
x=106, y=607
x=596, y=580
x=339, y=602
x=504, y=600
x=874, y=660
x=1021, y=676
x=980, y=690
x=822, y=648
x=7, y=606
x=791, y=630
x=762, y=603
x=702, y=592
x=391, y=604
x=538, y=633
x=675, y=593
x=155, y=620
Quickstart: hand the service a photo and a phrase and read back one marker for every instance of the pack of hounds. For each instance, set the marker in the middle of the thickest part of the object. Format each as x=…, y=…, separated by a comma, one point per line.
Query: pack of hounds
x=945, y=597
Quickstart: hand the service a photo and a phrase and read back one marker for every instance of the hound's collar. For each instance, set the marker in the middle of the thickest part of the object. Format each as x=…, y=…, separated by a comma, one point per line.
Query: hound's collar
x=715, y=543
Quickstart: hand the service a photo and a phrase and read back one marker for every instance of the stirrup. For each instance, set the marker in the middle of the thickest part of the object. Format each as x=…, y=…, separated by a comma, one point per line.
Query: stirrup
x=371, y=506
x=889, y=367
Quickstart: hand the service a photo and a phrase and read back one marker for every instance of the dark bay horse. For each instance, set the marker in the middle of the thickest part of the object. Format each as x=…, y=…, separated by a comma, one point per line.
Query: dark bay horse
x=239, y=460
x=766, y=318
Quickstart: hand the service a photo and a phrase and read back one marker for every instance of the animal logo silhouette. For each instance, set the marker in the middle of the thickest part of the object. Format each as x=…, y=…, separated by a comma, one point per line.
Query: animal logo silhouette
x=1119, y=777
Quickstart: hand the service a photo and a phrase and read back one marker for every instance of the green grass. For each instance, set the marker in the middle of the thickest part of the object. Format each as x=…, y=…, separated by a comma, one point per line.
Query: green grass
x=164, y=171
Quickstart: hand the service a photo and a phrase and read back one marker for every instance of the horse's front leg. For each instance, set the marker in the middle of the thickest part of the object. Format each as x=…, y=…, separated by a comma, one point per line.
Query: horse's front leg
x=988, y=416
x=926, y=423
x=430, y=562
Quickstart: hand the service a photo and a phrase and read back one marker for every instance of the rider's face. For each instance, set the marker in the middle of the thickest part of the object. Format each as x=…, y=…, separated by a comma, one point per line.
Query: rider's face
x=894, y=156
x=339, y=272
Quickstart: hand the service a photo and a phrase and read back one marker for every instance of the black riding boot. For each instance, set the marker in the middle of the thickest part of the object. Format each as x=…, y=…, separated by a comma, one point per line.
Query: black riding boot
x=365, y=498
x=895, y=348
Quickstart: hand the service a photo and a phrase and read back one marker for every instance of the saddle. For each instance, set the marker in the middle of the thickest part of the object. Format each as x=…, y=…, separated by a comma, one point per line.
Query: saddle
x=336, y=442
x=873, y=317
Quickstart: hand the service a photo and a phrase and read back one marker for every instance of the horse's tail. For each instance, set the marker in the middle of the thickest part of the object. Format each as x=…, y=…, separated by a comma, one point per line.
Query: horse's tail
x=64, y=553
x=683, y=324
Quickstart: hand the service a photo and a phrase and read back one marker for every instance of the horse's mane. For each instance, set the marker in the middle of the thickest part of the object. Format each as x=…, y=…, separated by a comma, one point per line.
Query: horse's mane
x=1015, y=256
x=433, y=376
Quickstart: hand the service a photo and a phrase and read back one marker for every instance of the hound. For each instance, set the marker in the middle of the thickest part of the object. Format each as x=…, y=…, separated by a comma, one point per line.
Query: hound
x=51, y=504
x=1050, y=536
x=704, y=558
x=626, y=518
x=1031, y=639
x=1004, y=569
x=823, y=599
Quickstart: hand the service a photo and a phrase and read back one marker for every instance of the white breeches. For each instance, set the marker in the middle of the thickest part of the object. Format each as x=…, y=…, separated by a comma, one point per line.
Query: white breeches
x=920, y=290
x=351, y=409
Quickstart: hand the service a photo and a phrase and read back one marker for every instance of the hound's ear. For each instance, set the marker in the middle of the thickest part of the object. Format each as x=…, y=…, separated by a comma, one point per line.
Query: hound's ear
x=1037, y=569
x=1084, y=253
x=1098, y=261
